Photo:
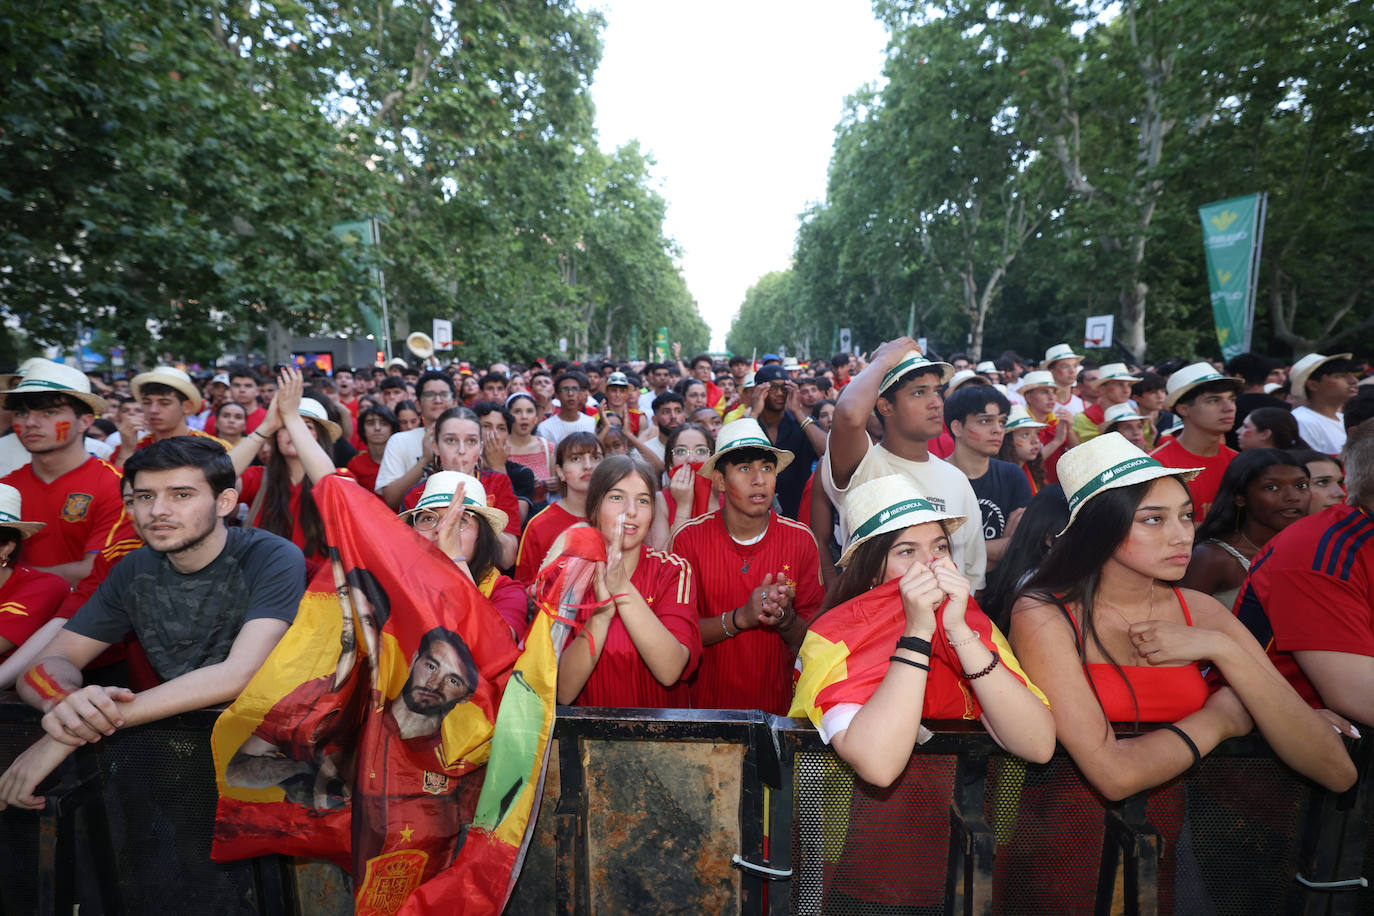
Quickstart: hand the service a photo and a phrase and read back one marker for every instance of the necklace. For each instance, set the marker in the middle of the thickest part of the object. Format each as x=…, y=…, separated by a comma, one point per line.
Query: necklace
x=1249, y=543
x=747, y=558
x=1117, y=612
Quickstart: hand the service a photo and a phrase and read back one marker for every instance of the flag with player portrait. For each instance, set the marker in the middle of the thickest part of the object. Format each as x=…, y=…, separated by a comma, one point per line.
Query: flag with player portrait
x=396, y=729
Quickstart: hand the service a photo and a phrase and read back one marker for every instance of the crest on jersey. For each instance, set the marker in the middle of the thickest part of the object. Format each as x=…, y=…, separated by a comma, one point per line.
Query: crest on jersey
x=76, y=507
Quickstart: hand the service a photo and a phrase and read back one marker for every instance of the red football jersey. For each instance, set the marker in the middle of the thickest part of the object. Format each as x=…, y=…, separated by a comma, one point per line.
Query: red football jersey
x=83, y=511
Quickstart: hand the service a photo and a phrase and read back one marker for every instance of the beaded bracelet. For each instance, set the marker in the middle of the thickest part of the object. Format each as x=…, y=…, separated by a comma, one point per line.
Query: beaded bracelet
x=986, y=671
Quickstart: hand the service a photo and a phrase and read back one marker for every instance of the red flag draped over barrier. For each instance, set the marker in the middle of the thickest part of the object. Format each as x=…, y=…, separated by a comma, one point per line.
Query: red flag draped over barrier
x=364, y=736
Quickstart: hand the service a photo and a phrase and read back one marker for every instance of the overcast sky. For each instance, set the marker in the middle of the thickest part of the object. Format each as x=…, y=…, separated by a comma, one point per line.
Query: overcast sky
x=737, y=102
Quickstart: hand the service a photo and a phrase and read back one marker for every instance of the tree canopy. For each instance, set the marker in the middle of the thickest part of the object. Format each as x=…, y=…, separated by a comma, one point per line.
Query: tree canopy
x=1025, y=164
x=172, y=171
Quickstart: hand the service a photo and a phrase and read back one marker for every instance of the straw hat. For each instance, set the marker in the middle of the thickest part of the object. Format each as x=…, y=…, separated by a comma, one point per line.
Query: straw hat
x=961, y=377
x=886, y=504
x=11, y=512
x=1119, y=413
x=1037, y=379
x=312, y=409
x=9, y=379
x=1108, y=462
x=791, y=364
x=744, y=433
x=1020, y=418
x=913, y=360
x=1303, y=369
x=748, y=382
x=987, y=366
x=1190, y=377
x=173, y=378
x=1113, y=372
x=43, y=376
x=440, y=487
x=1058, y=352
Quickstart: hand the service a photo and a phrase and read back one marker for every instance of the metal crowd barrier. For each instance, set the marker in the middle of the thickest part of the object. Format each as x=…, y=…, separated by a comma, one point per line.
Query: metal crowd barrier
x=719, y=811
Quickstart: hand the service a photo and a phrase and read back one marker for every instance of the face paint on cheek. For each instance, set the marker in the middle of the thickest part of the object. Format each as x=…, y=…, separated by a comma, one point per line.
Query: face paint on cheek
x=64, y=427
x=18, y=429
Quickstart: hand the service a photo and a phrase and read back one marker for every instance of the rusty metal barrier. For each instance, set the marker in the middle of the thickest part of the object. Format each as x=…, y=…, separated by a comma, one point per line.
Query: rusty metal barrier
x=720, y=811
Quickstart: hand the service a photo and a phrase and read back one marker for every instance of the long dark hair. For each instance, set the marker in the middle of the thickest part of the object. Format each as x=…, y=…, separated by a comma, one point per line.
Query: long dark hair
x=1225, y=517
x=1072, y=570
x=276, y=505
x=1279, y=423
x=1036, y=465
x=866, y=568
x=1044, y=518
x=486, y=551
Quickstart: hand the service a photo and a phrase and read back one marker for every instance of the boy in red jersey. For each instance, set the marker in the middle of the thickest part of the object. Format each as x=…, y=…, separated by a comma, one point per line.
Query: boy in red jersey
x=1206, y=402
x=759, y=574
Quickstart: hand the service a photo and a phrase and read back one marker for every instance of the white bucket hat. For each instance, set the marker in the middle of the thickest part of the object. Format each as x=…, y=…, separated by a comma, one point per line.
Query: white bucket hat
x=886, y=504
x=173, y=378
x=1040, y=378
x=1119, y=413
x=1108, y=462
x=312, y=409
x=1190, y=377
x=744, y=433
x=1020, y=418
x=1058, y=352
x=43, y=376
x=439, y=489
x=985, y=366
x=11, y=512
x=913, y=360
x=1113, y=372
x=1302, y=370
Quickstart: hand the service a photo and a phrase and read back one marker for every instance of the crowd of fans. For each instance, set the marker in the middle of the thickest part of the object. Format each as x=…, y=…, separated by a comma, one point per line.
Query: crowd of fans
x=1046, y=547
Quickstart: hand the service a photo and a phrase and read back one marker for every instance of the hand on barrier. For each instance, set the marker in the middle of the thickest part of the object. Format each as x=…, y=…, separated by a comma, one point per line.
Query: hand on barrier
x=28, y=770
x=86, y=715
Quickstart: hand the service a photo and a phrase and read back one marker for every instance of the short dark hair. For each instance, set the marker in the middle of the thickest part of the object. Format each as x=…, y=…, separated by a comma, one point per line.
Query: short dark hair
x=382, y=412
x=434, y=375
x=667, y=397
x=482, y=408
x=1252, y=367
x=467, y=667
x=744, y=456
x=840, y=359
x=185, y=452
x=702, y=357
x=46, y=400
x=372, y=590
x=573, y=375
x=220, y=408
x=971, y=399
x=492, y=378
x=392, y=381
x=739, y=359
x=652, y=367
x=1149, y=381
x=159, y=388
x=574, y=444
x=1332, y=367
x=911, y=376
x=1216, y=387
x=243, y=372
x=1359, y=408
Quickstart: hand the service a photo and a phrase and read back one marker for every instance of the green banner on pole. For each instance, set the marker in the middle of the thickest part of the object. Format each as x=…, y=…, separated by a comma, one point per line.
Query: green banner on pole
x=363, y=232
x=660, y=345
x=1231, y=235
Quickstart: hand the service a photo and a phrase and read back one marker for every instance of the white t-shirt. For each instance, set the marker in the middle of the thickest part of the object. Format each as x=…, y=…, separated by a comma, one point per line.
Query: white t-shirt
x=403, y=450
x=941, y=482
x=646, y=401
x=14, y=456
x=556, y=429
x=1322, y=433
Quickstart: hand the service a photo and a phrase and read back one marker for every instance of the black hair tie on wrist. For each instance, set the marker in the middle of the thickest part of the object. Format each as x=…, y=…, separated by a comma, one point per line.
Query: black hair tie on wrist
x=1197, y=757
x=907, y=661
x=914, y=644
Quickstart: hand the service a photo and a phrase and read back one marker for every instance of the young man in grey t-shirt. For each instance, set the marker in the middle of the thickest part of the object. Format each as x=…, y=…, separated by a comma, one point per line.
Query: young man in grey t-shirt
x=207, y=604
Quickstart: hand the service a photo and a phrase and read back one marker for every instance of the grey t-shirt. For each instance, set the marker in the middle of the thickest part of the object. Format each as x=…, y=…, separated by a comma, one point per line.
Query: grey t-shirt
x=185, y=622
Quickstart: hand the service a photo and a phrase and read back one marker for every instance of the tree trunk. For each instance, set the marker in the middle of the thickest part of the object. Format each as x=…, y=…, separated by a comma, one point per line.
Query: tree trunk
x=278, y=347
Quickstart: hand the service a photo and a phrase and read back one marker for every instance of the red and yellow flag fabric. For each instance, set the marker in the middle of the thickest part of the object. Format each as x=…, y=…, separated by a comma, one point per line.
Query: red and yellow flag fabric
x=365, y=737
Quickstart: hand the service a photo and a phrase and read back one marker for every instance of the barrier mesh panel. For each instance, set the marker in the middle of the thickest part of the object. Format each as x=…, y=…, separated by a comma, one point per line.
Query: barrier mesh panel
x=858, y=850
x=18, y=831
x=159, y=789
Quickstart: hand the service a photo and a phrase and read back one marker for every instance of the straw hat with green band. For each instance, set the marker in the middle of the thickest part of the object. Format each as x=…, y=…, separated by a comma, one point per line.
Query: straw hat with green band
x=1020, y=418
x=744, y=433
x=11, y=512
x=173, y=378
x=1108, y=462
x=438, y=495
x=912, y=360
x=1302, y=370
x=1112, y=372
x=886, y=504
x=1190, y=377
x=43, y=376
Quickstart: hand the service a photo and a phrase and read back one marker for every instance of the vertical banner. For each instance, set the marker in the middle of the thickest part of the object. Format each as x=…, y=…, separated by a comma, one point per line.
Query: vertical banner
x=660, y=345
x=1231, y=235
x=632, y=345
x=364, y=232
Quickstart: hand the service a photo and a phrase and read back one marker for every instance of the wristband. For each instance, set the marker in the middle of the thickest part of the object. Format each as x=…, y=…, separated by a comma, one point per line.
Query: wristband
x=807, y=421
x=260, y=434
x=914, y=644
x=907, y=661
x=723, y=628
x=45, y=685
x=734, y=621
x=1197, y=757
